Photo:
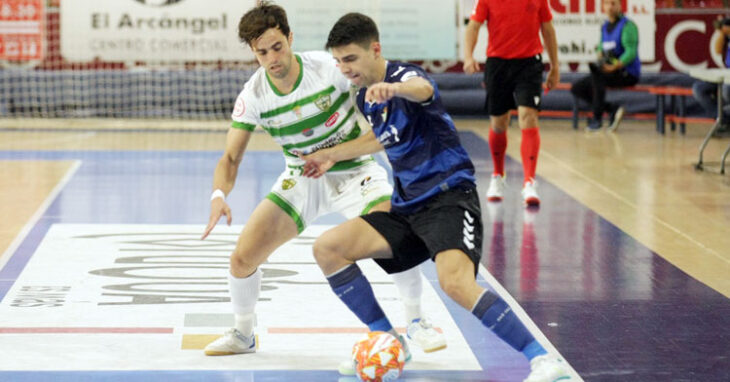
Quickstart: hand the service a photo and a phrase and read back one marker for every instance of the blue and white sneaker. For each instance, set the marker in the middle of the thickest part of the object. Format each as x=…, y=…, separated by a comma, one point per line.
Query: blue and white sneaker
x=547, y=368
x=349, y=366
x=232, y=342
x=422, y=333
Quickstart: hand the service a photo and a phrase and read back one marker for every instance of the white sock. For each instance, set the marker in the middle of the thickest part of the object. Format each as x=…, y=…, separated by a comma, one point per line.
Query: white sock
x=245, y=323
x=410, y=288
x=244, y=295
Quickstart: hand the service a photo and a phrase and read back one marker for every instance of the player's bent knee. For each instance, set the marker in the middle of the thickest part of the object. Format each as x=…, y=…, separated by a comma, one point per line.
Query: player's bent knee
x=454, y=288
x=326, y=248
x=241, y=264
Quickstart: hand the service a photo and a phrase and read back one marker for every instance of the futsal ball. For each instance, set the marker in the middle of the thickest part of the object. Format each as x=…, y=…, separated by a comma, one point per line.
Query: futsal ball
x=379, y=357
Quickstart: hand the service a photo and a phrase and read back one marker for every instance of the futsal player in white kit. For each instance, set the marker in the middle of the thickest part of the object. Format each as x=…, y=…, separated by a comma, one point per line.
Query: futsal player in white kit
x=303, y=101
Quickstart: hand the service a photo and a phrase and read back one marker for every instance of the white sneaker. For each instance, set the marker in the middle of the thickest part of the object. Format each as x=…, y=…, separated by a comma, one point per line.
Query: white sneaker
x=495, y=193
x=232, y=342
x=547, y=368
x=422, y=333
x=349, y=366
x=529, y=193
x=618, y=116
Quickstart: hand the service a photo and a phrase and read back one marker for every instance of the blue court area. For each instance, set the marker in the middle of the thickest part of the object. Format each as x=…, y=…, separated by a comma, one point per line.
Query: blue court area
x=612, y=308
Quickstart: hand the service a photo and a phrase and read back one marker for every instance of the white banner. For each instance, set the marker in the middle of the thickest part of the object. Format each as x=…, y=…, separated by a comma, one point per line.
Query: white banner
x=578, y=27
x=153, y=30
x=409, y=29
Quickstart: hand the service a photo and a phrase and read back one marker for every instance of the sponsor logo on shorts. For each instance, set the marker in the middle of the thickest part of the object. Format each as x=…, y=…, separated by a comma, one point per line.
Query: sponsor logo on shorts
x=367, y=185
x=287, y=184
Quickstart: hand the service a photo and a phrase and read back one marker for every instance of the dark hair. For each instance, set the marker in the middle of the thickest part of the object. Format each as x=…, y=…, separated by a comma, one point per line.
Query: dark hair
x=353, y=28
x=260, y=19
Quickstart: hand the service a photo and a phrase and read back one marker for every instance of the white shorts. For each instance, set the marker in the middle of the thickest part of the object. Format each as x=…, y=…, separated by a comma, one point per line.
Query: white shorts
x=351, y=193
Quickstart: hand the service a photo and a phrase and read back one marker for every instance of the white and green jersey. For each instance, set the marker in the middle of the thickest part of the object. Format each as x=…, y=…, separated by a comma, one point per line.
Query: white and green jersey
x=316, y=114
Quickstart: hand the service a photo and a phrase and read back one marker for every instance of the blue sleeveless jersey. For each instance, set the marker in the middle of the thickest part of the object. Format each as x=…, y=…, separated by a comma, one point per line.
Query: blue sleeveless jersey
x=613, y=39
x=420, y=141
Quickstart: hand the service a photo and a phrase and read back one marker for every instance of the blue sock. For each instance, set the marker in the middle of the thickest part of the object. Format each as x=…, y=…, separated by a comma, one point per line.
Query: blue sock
x=496, y=315
x=351, y=286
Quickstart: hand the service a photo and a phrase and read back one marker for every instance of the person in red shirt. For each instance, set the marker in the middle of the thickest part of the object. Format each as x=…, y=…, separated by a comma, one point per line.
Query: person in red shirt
x=513, y=78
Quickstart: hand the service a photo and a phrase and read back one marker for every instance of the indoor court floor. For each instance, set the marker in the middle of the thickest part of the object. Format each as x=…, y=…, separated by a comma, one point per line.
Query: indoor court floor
x=624, y=270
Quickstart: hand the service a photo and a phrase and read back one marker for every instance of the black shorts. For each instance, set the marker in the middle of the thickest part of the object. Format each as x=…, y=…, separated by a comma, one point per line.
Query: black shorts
x=512, y=83
x=451, y=220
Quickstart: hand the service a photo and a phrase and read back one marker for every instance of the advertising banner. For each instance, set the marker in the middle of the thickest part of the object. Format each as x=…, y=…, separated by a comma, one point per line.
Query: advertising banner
x=685, y=41
x=409, y=29
x=152, y=30
x=578, y=27
x=22, y=30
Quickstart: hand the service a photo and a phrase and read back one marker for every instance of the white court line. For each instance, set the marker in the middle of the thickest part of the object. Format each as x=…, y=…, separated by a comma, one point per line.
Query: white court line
x=526, y=320
x=62, y=139
x=38, y=214
x=635, y=207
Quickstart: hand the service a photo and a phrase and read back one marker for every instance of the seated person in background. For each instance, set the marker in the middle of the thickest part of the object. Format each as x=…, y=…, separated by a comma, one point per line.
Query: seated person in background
x=705, y=93
x=618, y=66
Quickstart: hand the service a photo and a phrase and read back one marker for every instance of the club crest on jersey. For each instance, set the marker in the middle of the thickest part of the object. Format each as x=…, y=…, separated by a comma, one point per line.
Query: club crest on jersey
x=287, y=184
x=384, y=114
x=323, y=102
x=307, y=132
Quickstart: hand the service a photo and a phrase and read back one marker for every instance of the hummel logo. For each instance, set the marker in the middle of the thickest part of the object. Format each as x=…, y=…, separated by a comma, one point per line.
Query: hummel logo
x=400, y=69
x=468, y=244
x=468, y=217
x=468, y=234
x=468, y=230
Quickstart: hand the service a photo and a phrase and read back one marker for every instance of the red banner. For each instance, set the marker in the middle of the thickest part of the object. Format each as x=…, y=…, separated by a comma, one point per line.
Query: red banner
x=685, y=41
x=22, y=30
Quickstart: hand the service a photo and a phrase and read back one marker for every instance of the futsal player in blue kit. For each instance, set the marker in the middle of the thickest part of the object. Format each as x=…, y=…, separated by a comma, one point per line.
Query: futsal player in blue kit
x=435, y=209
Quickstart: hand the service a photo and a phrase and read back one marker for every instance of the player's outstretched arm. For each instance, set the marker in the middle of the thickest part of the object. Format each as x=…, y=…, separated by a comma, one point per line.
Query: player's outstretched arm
x=318, y=162
x=224, y=177
x=416, y=89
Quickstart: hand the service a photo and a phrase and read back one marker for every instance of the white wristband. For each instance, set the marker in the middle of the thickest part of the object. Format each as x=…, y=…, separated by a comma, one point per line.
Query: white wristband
x=218, y=193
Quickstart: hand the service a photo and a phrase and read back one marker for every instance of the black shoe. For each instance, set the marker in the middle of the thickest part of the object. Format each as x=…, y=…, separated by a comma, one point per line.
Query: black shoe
x=594, y=125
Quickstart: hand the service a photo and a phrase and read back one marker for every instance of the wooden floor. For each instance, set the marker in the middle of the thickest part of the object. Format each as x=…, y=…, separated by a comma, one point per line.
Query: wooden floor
x=642, y=182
